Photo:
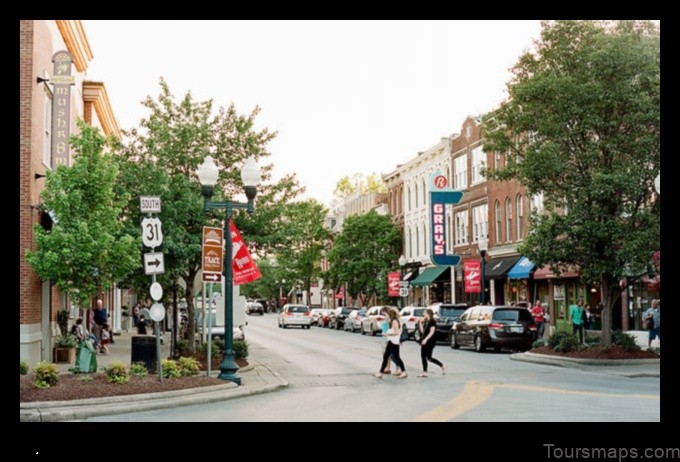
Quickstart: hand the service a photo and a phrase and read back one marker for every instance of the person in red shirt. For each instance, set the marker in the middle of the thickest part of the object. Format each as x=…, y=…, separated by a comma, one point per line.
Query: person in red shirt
x=538, y=314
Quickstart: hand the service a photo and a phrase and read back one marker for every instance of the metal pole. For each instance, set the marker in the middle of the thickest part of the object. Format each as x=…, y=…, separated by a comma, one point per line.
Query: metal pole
x=209, y=358
x=228, y=367
x=483, y=297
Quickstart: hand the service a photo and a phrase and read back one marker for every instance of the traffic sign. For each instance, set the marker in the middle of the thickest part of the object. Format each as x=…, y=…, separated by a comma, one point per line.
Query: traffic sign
x=156, y=291
x=152, y=232
x=213, y=252
x=212, y=277
x=157, y=312
x=154, y=263
x=150, y=204
x=404, y=284
x=403, y=291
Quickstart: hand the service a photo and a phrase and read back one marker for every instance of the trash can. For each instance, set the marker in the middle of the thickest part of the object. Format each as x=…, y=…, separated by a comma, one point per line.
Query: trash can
x=144, y=351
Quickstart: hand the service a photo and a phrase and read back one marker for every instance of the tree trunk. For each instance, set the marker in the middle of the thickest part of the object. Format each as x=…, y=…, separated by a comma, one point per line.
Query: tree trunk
x=191, y=322
x=607, y=304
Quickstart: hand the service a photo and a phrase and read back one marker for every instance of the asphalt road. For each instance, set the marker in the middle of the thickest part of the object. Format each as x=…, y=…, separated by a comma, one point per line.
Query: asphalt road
x=330, y=380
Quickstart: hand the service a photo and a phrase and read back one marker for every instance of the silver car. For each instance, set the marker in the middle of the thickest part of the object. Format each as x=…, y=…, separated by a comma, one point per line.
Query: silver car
x=295, y=315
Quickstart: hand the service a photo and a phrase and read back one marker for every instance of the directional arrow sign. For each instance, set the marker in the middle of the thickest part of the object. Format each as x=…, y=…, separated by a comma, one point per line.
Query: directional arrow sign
x=212, y=277
x=154, y=263
x=152, y=232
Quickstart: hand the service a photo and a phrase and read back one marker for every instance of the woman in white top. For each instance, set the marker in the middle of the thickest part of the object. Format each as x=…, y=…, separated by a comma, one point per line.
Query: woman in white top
x=392, y=348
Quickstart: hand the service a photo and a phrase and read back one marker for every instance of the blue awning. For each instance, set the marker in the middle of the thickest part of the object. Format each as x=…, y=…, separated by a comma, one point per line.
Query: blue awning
x=522, y=269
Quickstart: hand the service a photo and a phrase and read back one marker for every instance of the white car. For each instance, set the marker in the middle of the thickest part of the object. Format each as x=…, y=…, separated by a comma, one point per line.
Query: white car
x=295, y=315
x=316, y=312
x=409, y=317
x=218, y=332
x=353, y=321
x=372, y=321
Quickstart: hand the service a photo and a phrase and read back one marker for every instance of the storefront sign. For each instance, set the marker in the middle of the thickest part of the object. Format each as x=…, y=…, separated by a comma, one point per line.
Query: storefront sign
x=242, y=263
x=393, y=280
x=438, y=201
x=61, y=81
x=558, y=292
x=472, y=275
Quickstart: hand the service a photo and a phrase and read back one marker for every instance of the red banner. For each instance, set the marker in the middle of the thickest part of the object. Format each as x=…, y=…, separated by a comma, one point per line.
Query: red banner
x=393, y=279
x=242, y=264
x=472, y=275
x=340, y=294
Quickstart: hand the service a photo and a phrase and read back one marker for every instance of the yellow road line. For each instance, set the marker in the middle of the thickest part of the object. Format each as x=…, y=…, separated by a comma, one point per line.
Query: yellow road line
x=574, y=392
x=473, y=394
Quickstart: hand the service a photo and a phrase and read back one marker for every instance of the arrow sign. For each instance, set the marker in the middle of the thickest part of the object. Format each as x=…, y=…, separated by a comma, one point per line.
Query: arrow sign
x=212, y=277
x=154, y=263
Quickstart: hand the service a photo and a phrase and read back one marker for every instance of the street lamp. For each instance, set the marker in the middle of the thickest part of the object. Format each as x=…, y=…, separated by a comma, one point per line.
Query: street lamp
x=483, y=245
x=281, y=283
x=402, y=264
x=250, y=175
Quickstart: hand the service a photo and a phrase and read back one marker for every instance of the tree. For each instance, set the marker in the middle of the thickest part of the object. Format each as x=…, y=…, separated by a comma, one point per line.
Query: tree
x=85, y=252
x=359, y=183
x=363, y=253
x=582, y=126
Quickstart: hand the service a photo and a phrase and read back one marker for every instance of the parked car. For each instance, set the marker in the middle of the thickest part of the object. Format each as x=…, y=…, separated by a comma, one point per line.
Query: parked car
x=353, y=321
x=494, y=326
x=409, y=317
x=217, y=332
x=371, y=322
x=324, y=318
x=265, y=304
x=316, y=312
x=446, y=315
x=339, y=315
x=295, y=315
x=254, y=307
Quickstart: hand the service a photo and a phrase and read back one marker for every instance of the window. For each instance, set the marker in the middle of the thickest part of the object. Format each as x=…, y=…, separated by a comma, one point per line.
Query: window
x=460, y=171
x=499, y=222
x=426, y=239
x=417, y=242
x=448, y=174
x=415, y=196
x=508, y=220
x=537, y=203
x=520, y=217
x=480, y=221
x=408, y=198
x=497, y=160
x=461, y=227
x=47, y=143
x=424, y=193
x=409, y=241
x=478, y=163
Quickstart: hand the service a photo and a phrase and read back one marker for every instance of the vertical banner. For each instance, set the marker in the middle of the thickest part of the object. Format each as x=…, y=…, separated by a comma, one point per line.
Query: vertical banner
x=340, y=294
x=61, y=81
x=242, y=264
x=472, y=275
x=393, y=279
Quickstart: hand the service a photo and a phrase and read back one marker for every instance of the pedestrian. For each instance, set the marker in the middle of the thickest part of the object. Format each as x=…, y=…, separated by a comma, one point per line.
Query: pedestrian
x=428, y=327
x=385, y=326
x=652, y=322
x=78, y=330
x=135, y=314
x=587, y=317
x=105, y=339
x=576, y=313
x=538, y=314
x=392, y=348
x=141, y=325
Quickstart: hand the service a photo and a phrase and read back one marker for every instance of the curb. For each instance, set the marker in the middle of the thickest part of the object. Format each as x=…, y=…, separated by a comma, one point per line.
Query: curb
x=578, y=362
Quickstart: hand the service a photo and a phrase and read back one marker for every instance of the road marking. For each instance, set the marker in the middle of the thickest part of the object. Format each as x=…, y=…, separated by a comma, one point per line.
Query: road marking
x=474, y=393
x=574, y=392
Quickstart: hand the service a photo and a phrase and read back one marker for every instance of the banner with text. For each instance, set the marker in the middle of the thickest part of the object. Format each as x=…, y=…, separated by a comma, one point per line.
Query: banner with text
x=472, y=276
x=242, y=264
x=393, y=279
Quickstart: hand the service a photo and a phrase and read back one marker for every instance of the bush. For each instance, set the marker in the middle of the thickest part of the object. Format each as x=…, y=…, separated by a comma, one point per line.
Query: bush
x=46, y=375
x=23, y=367
x=65, y=341
x=117, y=373
x=626, y=341
x=170, y=369
x=538, y=343
x=563, y=342
x=216, y=349
x=188, y=366
x=86, y=379
x=182, y=346
x=240, y=349
x=138, y=370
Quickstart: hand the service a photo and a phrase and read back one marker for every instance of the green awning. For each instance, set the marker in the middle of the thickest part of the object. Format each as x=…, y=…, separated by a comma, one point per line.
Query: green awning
x=428, y=276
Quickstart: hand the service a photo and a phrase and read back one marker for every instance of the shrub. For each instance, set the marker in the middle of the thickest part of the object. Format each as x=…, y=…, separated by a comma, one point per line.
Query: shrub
x=182, y=346
x=170, y=369
x=86, y=379
x=218, y=345
x=563, y=342
x=138, y=370
x=65, y=341
x=46, y=374
x=23, y=367
x=117, y=373
x=240, y=349
x=188, y=366
x=538, y=343
x=215, y=349
x=626, y=341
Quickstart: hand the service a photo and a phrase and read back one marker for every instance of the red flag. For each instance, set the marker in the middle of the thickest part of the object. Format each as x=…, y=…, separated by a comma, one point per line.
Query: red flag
x=393, y=279
x=242, y=264
x=472, y=275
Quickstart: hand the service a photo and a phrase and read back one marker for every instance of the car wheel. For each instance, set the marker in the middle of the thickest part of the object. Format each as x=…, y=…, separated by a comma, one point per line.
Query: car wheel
x=283, y=325
x=454, y=341
x=479, y=346
x=362, y=330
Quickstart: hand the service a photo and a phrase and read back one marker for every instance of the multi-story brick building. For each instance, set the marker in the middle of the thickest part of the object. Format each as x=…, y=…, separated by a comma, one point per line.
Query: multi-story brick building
x=39, y=124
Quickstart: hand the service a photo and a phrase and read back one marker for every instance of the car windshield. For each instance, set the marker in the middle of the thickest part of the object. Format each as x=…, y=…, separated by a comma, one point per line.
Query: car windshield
x=297, y=309
x=418, y=311
x=361, y=313
x=346, y=311
x=451, y=312
x=512, y=314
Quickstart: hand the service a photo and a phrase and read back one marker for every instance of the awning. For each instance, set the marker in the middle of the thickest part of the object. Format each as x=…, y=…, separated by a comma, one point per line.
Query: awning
x=410, y=275
x=428, y=276
x=522, y=269
x=545, y=273
x=497, y=267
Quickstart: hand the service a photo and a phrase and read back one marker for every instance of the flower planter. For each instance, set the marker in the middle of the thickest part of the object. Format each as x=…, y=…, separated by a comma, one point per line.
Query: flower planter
x=65, y=355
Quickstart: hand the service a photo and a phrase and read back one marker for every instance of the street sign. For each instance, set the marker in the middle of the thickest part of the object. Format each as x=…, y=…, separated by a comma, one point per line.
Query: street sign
x=157, y=312
x=154, y=263
x=213, y=252
x=404, y=284
x=212, y=277
x=152, y=232
x=150, y=204
x=156, y=291
x=403, y=291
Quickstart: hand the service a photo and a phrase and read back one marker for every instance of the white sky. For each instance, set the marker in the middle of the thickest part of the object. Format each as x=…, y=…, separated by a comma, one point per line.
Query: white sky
x=344, y=96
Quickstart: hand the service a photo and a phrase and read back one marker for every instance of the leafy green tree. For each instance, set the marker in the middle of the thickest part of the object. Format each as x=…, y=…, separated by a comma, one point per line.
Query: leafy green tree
x=86, y=251
x=363, y=253
x=359, y=183
x=582, y=126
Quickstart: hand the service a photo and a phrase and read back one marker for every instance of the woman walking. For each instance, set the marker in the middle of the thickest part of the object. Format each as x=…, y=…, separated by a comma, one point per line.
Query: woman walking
x=428, y=327
x=392, y=347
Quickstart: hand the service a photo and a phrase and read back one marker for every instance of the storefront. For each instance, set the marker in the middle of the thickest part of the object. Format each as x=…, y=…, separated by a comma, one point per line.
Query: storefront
x=558, y=292
x=494, y=274
x=518, y=281
x=435, y=284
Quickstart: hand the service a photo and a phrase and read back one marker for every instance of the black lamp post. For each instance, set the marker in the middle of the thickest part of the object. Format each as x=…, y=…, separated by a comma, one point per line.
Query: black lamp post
x=250, y=175
x=280, y=283
x=402, y=264
x=483, y=245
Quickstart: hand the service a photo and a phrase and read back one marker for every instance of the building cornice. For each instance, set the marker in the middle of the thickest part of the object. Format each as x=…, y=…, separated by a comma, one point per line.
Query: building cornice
x=73, y=33
x=95, y=92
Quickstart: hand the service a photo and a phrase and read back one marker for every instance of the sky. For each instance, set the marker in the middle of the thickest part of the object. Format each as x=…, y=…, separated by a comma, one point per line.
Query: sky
x=344, y=96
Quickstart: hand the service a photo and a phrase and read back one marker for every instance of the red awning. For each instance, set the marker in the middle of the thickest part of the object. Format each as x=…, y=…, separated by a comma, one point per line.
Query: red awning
x=545, y=273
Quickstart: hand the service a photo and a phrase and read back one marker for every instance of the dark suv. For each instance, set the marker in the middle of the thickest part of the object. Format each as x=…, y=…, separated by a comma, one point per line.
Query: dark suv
x=494, y=326
x=447, y=316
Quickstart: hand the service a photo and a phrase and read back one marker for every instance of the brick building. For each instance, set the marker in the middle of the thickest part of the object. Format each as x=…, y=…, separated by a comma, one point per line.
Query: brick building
x=40, y=124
